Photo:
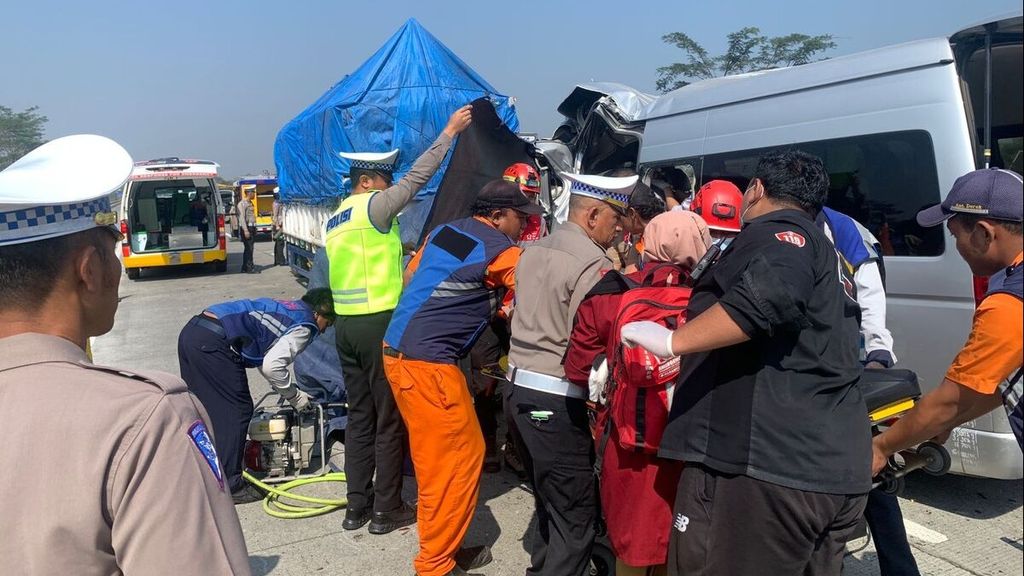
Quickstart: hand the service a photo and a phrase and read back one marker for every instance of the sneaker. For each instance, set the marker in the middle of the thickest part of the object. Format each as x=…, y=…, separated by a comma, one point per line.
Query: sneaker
x=247, y=494
x=473, y=557
x=356, y=519
x=385, y=522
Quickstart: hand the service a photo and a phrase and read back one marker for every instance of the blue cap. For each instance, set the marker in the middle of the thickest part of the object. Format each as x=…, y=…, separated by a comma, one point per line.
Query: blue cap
x=993, y=193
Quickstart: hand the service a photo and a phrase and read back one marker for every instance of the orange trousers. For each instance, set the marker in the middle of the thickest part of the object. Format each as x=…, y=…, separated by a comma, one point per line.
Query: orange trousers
x=447, y=450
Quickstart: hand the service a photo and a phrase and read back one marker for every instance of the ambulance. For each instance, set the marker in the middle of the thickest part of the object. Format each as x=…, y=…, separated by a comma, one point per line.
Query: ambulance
x=171, y=215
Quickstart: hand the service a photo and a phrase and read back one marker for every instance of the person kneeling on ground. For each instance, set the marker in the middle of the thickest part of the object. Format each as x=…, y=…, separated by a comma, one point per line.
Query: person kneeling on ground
x=637, y=487
x=450, y=298
x=217, y=345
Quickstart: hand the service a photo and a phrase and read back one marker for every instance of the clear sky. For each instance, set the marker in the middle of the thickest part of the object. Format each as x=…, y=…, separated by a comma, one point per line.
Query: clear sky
x=217, y=79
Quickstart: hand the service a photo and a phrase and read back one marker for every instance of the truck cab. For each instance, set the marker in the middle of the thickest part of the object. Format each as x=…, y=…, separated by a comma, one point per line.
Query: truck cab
x=171, y=215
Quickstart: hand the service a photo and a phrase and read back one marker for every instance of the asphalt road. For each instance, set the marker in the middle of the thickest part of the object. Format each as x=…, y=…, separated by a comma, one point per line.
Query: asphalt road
x=957, y=525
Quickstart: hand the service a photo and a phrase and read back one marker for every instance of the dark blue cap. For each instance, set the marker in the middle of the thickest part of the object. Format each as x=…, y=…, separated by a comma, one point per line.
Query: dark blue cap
x=993, y=193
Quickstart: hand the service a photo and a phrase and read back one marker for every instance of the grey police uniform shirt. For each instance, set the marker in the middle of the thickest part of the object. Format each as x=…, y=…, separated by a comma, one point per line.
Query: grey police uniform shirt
x=101, y=472
x=553, y=276
x=246, y=213
x=386, y=204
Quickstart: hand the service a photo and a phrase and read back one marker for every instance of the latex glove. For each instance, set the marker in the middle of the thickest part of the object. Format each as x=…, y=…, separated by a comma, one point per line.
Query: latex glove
x=598, y=380
x=301, y=401
x=652, y=336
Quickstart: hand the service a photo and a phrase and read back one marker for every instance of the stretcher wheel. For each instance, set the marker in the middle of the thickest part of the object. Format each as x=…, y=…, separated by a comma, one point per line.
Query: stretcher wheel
x=602, y=560
x=937, y=458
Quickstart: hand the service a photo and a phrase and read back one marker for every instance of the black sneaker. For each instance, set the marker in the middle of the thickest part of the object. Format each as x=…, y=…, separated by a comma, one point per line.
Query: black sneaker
x=356, y=519
x=385, y=522
x=247, y=494
x=473, y=557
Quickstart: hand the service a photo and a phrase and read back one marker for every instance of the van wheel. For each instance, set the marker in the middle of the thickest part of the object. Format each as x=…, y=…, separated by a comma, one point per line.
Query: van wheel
x=133, y=273
x=220, y=266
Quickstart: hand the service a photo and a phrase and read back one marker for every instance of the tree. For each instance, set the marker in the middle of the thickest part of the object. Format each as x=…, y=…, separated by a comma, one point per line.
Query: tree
x=20, y=132
x=748, y=51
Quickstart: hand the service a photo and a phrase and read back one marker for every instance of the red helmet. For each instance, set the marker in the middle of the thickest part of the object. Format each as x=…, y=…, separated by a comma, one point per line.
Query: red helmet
x=718, y=202
x=525, y=175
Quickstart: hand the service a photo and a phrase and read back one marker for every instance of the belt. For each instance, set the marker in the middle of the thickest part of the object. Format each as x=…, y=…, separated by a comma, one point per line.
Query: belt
x=210, y=324
x=544, y=383
x=389, y=351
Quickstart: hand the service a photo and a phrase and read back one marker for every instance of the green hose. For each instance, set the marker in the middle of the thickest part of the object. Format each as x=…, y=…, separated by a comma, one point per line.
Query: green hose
x=310, y=507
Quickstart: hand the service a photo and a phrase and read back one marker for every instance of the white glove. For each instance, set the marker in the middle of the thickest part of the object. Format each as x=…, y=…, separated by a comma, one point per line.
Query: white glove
x=597, y=381
x=652, y=336
x=300, y=401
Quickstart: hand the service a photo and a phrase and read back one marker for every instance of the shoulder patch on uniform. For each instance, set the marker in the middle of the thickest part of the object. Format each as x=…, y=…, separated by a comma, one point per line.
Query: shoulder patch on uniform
x=201, y=438
x=791, y=237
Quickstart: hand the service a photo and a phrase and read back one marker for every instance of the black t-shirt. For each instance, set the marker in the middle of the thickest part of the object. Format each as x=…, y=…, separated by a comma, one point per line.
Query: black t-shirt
x=783, y=407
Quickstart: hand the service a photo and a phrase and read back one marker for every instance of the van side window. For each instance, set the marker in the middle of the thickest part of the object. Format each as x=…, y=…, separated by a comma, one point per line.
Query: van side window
x=882, y=180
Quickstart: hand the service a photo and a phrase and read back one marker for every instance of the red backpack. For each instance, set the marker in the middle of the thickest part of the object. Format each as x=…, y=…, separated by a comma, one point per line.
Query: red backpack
x=641, y=384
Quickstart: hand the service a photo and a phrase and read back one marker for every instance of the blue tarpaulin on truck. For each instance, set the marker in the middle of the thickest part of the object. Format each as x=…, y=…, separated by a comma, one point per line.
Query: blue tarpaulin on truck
x=401, y=97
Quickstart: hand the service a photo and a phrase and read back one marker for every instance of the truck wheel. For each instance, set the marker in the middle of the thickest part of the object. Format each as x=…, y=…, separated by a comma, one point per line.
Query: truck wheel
x=133, y=273
x=220, y=266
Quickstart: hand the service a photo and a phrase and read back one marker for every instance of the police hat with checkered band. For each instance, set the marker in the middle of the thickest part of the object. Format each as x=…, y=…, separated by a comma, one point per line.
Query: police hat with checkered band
x=378, y=162
x=613, y=190
x=61, y=188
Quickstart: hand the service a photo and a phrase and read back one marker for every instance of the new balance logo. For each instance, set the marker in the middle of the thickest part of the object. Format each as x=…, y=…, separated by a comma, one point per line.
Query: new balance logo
x=681, y=522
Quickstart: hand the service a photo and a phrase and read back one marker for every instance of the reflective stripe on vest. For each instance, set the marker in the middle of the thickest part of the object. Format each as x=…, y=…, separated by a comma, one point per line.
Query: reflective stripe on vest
x=365, y=265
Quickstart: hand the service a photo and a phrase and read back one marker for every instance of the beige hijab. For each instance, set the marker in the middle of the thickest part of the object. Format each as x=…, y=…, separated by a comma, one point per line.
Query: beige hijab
x=678, y=237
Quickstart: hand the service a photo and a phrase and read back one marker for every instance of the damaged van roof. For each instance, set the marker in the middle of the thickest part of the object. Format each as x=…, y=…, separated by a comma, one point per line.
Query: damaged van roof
x=755, y=85
x=629, y=101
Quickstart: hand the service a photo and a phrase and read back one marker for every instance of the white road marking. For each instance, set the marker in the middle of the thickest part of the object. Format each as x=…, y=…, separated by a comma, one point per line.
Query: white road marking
x=923, y=534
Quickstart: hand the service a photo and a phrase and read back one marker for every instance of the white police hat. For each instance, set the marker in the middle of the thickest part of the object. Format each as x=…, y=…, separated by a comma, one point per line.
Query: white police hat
x=613, y=190
x=61, y=188
x=379, y=162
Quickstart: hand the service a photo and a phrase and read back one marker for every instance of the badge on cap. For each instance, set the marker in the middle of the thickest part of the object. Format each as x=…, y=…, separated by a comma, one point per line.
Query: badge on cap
x=613, y=190
x=379, y=162
x=61, y=188
x=201, y=438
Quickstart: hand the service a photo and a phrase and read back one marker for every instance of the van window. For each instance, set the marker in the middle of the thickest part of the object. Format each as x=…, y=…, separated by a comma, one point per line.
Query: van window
x=172, y=215
x=882, y=180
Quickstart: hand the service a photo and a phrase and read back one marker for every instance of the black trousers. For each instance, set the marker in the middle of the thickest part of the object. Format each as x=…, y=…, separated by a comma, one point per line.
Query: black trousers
x=890, y=535
x=375, y=437
x=279, y=258
x=247, y=244
x=216, y=375
x=558, y=454
x=732, y=525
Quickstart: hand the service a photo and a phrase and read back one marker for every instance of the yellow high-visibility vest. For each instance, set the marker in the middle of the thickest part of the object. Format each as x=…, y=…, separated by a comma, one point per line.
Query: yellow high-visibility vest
x=366, y=265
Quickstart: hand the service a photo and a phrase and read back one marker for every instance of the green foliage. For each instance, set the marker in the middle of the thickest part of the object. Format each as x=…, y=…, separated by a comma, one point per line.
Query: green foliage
x=749, y=50
x=20, y=132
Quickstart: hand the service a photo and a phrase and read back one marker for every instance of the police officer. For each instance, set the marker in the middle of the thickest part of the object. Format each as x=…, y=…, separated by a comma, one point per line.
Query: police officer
x=247, y=222
x=115, y=469
x=217, y=345
x=549, y=412
x=769, y=418
x=364, y=249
